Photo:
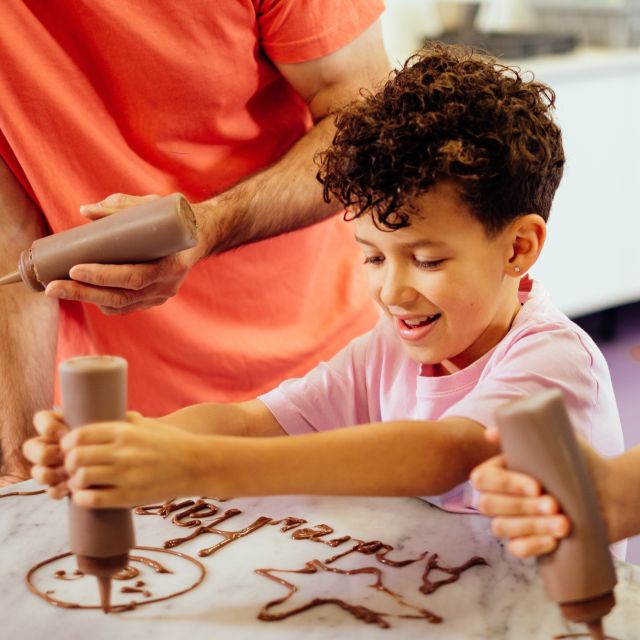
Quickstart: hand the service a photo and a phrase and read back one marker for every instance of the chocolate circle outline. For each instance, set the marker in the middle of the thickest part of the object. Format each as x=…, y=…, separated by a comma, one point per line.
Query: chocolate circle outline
x=117, y=608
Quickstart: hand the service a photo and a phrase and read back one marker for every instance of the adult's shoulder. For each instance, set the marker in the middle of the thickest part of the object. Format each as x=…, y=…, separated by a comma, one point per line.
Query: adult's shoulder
x=294, y=31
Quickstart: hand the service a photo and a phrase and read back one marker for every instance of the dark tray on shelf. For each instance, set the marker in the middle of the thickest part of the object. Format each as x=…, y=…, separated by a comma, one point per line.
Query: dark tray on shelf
x=512, y=44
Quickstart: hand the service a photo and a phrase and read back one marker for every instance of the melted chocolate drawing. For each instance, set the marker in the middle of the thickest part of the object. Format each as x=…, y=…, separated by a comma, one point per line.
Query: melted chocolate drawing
x=37, y=576
x=189, y=514
x=204, y=518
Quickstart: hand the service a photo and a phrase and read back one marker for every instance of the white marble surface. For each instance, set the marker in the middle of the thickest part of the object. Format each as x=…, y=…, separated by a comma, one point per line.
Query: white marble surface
x=502, y=601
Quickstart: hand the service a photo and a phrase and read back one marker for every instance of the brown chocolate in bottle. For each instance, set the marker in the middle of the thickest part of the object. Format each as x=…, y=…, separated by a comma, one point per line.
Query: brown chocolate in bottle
x=148, y=231
x=538, y=439
x=94, y=389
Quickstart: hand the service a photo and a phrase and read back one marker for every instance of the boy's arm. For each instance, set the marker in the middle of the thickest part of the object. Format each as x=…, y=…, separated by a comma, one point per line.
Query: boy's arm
x=148, y=461
x=384, y=459
x=251, y=418
x=161, y=434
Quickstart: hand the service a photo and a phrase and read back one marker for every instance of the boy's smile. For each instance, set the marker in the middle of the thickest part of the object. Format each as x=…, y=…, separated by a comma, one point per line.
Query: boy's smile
x=448, y=287
x=414, y=328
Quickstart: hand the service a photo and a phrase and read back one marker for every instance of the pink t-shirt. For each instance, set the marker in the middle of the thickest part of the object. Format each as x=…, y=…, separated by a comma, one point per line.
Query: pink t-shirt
x=373, y=380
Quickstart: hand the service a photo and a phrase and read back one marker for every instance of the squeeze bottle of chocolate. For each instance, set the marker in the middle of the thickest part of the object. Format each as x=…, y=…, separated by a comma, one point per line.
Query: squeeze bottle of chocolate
x=94, y=389
x=538, y=439
x=148, y=231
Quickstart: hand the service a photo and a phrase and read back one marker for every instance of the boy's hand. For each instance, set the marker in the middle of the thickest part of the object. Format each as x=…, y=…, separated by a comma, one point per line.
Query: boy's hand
x=531, y=521
x=45, y=453
x=123, y=464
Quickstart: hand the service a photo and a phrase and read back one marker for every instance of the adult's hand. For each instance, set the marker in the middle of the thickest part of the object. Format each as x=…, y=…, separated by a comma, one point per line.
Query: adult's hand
x=123, y=288
x=531, y=520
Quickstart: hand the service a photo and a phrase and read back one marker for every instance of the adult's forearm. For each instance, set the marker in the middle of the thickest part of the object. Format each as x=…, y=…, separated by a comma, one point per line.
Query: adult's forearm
x=287, y=196
x=28, y=328
x=399, y=458
x=282, y=198
x=624, y=498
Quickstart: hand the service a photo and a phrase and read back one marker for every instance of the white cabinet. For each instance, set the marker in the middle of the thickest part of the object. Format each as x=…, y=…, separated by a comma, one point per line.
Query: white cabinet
x=592, y=257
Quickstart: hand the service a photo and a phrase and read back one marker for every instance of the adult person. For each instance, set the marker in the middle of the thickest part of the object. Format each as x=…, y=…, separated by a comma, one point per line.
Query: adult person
x=226, y=102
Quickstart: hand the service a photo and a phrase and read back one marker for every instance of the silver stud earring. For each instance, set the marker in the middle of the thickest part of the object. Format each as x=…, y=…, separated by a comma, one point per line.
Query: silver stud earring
x=516, y=269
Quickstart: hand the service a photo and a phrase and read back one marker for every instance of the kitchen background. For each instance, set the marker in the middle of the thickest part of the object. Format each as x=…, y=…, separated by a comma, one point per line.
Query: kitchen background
x=589, y=52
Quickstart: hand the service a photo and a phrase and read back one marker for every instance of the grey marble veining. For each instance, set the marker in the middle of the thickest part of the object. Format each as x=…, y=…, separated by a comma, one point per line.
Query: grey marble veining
x=502, y=601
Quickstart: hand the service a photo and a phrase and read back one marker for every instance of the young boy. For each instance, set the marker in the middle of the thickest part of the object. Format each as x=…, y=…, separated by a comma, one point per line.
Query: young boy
x=449, y=173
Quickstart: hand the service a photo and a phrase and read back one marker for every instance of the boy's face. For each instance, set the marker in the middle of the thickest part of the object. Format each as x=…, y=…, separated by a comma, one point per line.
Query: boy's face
x=442, y=281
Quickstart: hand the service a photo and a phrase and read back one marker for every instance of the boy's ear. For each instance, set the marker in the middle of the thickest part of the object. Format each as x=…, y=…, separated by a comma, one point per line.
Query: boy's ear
x=526, y=236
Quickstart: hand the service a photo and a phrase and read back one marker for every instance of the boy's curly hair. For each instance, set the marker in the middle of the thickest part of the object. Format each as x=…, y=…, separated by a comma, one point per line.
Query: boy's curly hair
x=448, y=114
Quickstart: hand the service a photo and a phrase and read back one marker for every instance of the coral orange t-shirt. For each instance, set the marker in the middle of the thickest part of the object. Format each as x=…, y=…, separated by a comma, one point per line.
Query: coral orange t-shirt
x=142, y=97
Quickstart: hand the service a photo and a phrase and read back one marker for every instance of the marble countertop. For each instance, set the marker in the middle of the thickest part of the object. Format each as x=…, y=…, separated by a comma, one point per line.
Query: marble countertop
x=504, y=600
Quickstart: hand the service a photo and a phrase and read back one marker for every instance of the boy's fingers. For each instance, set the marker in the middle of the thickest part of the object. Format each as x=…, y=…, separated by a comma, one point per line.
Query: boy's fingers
x=517, y=527
x=492, y=435
x=102, y=433
x=39, y=452
x=48, y=475
x=99, y=498
x=86, y=477
x=49, y=425
x=58, y=491
x=87, y=456
x=528, y=546
x=492, y=504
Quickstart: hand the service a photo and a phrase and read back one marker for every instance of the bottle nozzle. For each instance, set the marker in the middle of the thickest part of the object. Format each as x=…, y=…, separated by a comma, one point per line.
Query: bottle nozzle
x=11, y=278
x=596, y=630
x=104, y=584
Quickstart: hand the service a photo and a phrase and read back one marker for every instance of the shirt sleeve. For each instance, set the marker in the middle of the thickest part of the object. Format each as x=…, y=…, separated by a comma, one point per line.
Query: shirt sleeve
x=301, y=30
x=330, y=396
x=556, y=358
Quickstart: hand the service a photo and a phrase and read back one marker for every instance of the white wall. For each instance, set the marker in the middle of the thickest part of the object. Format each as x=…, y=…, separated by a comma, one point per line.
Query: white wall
x=590, y=261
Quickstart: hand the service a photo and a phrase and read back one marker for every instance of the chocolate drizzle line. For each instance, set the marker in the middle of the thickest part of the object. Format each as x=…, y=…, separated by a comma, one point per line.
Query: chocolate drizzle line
x=144, y=592
x=582, y=634
x=229, y=536
x=23, y=493
x=362, y=613
x=201, y=509
x=288, y=523
x=117, y=608
x=128, y=573
x=428, y=586
x=156, y=566
x=164, y=509
x=367, y=548
x=63, y=575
